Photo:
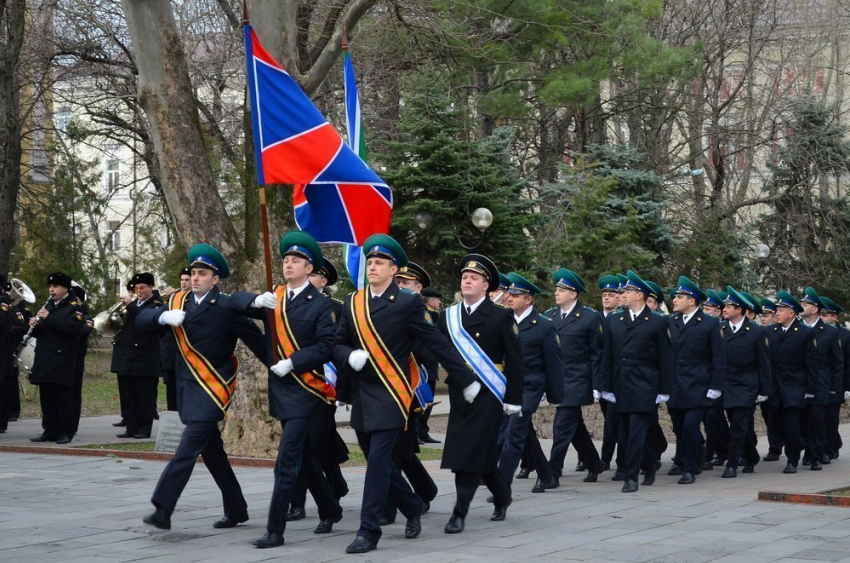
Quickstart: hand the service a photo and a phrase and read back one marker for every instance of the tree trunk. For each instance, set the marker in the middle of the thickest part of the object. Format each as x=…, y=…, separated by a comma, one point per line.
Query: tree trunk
x=12, y=17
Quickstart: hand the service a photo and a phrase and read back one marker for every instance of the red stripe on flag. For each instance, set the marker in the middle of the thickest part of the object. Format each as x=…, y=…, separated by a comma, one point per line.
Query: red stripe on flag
x=298, y=195
x=261, y=53
x=368, y=212
x=300, y=160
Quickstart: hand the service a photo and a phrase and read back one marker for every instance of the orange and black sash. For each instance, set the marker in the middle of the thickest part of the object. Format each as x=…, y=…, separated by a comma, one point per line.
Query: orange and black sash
x=217, y=387
x=313, y=381
x=388, y=370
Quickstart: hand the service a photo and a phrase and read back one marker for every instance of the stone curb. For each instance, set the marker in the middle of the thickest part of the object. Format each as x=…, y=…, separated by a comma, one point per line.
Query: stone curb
x=824, y=499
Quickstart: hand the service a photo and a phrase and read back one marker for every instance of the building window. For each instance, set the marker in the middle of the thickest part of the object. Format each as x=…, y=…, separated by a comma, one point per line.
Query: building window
x=112, y=174
x=62, y=119
x=113, y=236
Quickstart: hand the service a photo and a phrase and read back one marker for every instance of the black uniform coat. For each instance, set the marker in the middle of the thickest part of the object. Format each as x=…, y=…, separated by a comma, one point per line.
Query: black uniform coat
x=139, y=356
x=844, y=337
x=581, y=348
x=473, y=430
x=313, y=325
x=699, y=360
x=747, y=365
x=423, y=355
x=115, y=364
x=543, y=363
x=57, y=343
x=830, y=363
x=8, y=319
x=212, y=328
x=637, y=360
x=399, y=318
x=794, y=364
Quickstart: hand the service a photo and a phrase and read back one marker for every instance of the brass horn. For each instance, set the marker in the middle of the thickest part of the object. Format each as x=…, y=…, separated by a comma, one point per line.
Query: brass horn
x=20, y=292
x=108, y=323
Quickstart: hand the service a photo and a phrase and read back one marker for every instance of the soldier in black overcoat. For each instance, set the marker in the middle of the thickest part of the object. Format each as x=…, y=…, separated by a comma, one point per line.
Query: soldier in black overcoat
x=610, y=287
x=794, y=367
x=57, y=328
x=11, y=328
x=543, y=373
x=580, y=332
x=80, y=366
x=115, y=365
x=168, y=348
x=207, y=329
x=829, y=313
x=748, y=379
x=699, y=360
x=488, y=335
x=373, y=357
x=830, y=379
x=636, y=375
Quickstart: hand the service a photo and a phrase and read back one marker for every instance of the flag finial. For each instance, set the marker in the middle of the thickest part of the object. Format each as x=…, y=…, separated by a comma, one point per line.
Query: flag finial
x=344, y=40
x=245, y=19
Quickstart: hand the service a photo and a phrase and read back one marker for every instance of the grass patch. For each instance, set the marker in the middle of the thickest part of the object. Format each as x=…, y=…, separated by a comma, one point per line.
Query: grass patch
x=124, y=447
x=357, y=459
x=845, y=492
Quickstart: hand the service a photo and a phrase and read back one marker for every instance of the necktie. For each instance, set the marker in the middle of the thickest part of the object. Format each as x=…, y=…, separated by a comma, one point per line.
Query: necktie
x=563, y=315
x=734, y=329
x=468, y=310
x=291, y=295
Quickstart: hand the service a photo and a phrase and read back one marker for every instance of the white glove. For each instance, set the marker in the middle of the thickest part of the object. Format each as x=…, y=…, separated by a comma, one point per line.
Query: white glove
x=172, y=318
x=608, y=396
x=761, y=398
x=713, y=394
x=846, y=395
x=282, y=367
x=808, y=396
x=357, y=359
x=341, y=404
x=512, y=409
x=471, y=391
x=596, y=395
x=661, y=399
x=267, y=300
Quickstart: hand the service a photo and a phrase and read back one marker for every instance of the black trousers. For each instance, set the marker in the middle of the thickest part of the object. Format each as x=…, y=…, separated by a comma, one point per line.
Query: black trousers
x=5, y=396
x=204, y=439
x=290, y=462
x=141, y=403
x=814, y=430
x=383, y=479
x=79, y=371
x=532, y=442
x=404, y=457
x=169, y=379
x=124, y=391
x=741, y=444
x=422, y=428
x=10, y=382
x=775, y=431
x=466, y=483
x=564, y=431
x=689, y=441
x=789, y=424
x=717, y=433
x=515, y=433
x=638, y=452
x=833, y=437
x=57, y=410
x=610, y=434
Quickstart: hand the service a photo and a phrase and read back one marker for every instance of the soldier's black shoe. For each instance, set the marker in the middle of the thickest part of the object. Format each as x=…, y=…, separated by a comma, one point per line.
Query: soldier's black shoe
x=606, y=466
x=426, y=438
x=707, y=465
x=39, y=439
x=718, y=461
x=790, y=468
x=749, y=469
x=326, y=526
x=141, y=436
x=158, y=519
x=62, y=440
x=826, y=459
x=618, y=476
x=227, y=522
x=816, y=465
x=771, y=457
x=687, y=478
x=455, y=525
x=539, y=487
x=413, y=528
x=295, y=513
x=807, y=461
x=675, y=470
x=523, y=473
x=124, y=435
x=269, y=539
x=591, y=477
x=730, y=473
x=120, y=424
x=630, y=486
x=360, y=545
x=649, y=476
x=580, y=466
x=501, y=512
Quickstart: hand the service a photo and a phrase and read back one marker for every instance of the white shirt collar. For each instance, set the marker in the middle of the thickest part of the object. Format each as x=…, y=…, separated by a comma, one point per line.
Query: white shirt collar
x=570, y=310
x=814, y=324
x=737, y=326
x=686, y=318
x=475, y=305
x=297, y=290
x=198, y=300
x=523, y=316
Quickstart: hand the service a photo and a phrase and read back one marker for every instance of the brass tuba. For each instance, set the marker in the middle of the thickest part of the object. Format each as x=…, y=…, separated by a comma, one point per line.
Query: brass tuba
x=20, y=292
x=108, y=323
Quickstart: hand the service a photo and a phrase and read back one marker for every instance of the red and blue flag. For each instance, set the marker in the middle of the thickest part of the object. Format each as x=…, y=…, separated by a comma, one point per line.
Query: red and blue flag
x=337, y=198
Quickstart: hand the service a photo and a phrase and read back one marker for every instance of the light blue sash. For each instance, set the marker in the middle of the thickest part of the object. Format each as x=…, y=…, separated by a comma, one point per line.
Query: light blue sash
x=483, y=367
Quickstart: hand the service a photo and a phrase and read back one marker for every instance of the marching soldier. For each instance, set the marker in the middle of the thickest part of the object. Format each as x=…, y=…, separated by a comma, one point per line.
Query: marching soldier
x=23, y=314
x=580, y=332
x=168, y=348
x=500, y=294
x=11, y=328
x=829, y=313
x=794, y=366
x=544, y=368
x=712, y=304
x=80, y=365
x=298, y=388
x=768, y=314
x=206, y=330
x=610, y=287
x=58, y=327
x=432, y=299
x=748, y=379
x=830, y=379
x=486, y=336
x=636, y=375
x=139, y=367
x=375, y=339
x=115, y=366
x=699, y=359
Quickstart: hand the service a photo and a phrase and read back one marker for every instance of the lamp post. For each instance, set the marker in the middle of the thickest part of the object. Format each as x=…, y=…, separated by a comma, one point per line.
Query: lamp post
x=762, y=254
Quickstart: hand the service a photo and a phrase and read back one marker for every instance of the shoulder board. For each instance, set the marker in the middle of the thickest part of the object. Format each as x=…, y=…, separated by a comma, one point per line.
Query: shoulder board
x=157, y=302
x=223, y=294
x=544, y=318
x=591, y=309
x=74, y=303
x=337, y=300
x=659, y=314
x=4, y=307
x=407, y=291
x=501, y=306
x=550, y=311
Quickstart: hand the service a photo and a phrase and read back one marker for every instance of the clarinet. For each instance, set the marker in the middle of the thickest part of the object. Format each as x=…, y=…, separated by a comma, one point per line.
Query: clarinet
x=28, y=335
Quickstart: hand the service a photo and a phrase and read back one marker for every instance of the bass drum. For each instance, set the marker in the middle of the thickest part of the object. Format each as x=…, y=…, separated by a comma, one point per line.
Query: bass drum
x=25, y=357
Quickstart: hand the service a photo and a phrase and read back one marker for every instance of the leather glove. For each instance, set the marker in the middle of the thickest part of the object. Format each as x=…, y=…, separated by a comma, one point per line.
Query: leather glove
x=357, y=359
x=761, y=398
x=596, y=395
x=808, y=396
x=608, y=396
x=512, y=409
x=172, y=318
x=661, y=399
x=713, y=394
x=471, y=391
x=267, y=300
x=846, y=395
x=282, y=367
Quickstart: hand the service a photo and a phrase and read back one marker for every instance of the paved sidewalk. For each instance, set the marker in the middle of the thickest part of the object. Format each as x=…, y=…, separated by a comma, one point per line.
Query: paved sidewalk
x=71, y=509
